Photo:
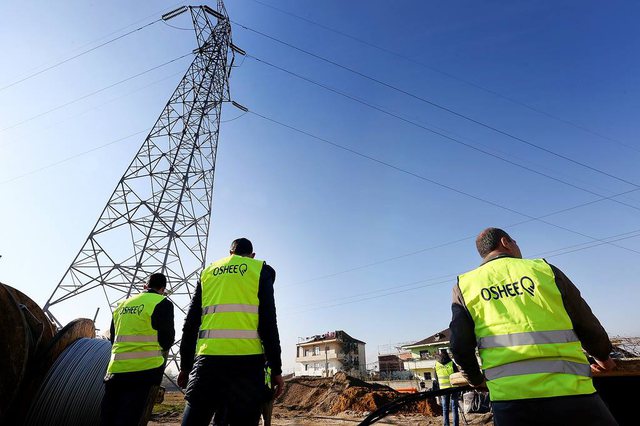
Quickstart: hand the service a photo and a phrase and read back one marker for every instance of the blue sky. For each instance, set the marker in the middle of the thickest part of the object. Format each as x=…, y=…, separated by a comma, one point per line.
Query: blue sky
x=358, y=245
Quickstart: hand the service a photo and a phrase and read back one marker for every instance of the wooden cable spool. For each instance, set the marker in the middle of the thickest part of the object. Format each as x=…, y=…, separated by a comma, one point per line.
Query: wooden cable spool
x=14, y=349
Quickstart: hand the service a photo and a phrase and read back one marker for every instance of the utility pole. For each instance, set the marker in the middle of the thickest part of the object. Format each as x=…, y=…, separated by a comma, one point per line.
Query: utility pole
x=326, y=360
x=157, y=218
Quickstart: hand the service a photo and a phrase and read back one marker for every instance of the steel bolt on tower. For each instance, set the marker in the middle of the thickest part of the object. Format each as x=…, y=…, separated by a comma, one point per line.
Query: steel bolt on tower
x=157, y=219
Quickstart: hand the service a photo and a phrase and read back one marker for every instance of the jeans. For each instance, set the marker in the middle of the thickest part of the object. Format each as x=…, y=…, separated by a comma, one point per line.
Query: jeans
x=450, y=402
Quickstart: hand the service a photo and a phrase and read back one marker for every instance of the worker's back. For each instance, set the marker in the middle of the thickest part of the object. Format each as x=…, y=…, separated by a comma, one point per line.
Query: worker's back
x=525, y=336
x=230, y=307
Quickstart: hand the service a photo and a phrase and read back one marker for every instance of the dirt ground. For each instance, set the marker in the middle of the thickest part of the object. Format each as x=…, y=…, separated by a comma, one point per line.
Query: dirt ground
x=341, y=400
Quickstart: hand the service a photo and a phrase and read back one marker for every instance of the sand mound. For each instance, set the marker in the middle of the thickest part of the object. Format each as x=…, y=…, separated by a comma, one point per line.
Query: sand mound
x=317, y=395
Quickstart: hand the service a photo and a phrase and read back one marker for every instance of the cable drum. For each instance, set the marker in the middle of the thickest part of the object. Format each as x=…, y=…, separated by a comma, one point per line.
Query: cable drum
x=72, y=391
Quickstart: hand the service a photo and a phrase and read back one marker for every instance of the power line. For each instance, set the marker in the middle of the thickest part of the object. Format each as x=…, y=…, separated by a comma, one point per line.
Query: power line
x=92, y=93
x=439, y=133
x=434, y=182
x=64, y=160
x=436, y=105
x=449, y=75
x=57, y=64
x=399, y=289
x=445, y=244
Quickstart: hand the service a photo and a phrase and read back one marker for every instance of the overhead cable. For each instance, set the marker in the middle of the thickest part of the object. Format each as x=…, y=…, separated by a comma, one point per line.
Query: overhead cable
x=64, y=160
x=93, y=93
x=447, y=279
x=441, y=245
x=451, y=76
x=443, y=135
x=57, y=64
x=434, y=182
x=441, y=107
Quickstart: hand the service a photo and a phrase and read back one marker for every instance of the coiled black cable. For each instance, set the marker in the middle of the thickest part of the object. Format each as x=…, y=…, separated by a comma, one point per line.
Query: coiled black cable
x=72, y=391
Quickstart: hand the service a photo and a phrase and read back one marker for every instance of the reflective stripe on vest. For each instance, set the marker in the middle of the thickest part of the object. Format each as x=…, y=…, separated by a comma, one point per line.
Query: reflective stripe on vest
x=443, y=371
x=230, y=307
x=537, y=366
x=525, y=337
x=135, y=346
x=137, y=355
x=528, y=338
x=228, y=334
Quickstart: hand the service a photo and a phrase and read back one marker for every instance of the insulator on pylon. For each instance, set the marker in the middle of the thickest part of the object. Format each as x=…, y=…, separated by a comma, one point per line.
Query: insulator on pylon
x=174, y=13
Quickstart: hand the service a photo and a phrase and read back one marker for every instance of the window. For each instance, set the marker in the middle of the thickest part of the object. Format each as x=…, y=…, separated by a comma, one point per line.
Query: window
x=307, y=352
x=316, y=350
x=424, y=355
x=306, y=367
x=427, y=375
x=316, y=366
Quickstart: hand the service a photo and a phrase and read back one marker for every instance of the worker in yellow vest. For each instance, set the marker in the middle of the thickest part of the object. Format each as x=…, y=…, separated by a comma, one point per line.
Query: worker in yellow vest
x=142, y=333
x=530, y=326
x=445, y=368
x=229, y=332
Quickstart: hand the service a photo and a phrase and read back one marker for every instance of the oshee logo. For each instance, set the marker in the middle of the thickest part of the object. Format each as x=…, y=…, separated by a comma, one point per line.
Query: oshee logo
x=134, y=310
x=230, y=269
x=514, y=289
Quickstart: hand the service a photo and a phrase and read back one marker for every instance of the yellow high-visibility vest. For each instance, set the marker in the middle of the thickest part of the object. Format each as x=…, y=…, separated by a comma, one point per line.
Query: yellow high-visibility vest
x=135, y=346
x=525, y=337
x=443, y=371
x=230, y=307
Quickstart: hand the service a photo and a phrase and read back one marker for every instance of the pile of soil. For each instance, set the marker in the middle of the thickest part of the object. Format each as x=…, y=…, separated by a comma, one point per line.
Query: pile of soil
x=342, y=393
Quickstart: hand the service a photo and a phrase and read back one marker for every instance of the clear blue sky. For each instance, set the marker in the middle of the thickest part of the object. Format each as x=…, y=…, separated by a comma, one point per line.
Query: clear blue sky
x=357, y=245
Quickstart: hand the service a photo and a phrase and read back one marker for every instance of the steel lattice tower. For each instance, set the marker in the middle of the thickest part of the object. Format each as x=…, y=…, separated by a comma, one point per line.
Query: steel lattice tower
x=157, y=219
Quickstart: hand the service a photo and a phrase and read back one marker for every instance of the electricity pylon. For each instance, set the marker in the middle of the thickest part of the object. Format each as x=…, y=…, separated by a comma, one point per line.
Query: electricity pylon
x=157, y=219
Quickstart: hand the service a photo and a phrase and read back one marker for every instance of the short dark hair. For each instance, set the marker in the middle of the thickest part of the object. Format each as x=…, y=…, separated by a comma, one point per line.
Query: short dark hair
x=241, y=246
x=489, y=240
x=157, y=281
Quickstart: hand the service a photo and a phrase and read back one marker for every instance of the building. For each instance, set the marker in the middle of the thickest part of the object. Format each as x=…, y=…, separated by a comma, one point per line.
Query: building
x=423, y=363
x=324, y=355
x=391, y=366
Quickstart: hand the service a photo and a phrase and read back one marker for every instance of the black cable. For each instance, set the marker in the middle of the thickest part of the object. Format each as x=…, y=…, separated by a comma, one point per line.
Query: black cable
x=397, y=404
x=449, y=138
x=92, y=93
x=434, y=182
x=449, y=75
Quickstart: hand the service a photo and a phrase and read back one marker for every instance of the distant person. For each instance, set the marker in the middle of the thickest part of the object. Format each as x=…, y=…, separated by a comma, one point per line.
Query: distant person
x=445, y=368
x=230, y=329
x=530, y=324
x=142, y=333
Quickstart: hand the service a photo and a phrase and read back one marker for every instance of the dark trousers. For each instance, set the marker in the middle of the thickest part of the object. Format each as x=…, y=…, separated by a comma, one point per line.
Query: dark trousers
x=123, y=403
x=583, y=410
x=232, y=395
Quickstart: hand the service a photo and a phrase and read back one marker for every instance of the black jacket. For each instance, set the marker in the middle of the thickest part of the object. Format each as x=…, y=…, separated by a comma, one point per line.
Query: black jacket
x=267, y=329
x=161, y=320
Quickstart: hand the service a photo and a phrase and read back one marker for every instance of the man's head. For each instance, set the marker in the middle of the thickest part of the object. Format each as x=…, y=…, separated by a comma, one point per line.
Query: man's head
x=495, y=241
x=157, y=282
x=242, y=247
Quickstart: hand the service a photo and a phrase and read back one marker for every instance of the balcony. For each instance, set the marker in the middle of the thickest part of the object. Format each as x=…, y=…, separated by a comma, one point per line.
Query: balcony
x=419, y=364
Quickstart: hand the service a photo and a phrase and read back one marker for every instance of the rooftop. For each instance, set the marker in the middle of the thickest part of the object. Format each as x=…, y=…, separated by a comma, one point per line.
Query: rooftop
x=436, y=339
x=339, y=335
